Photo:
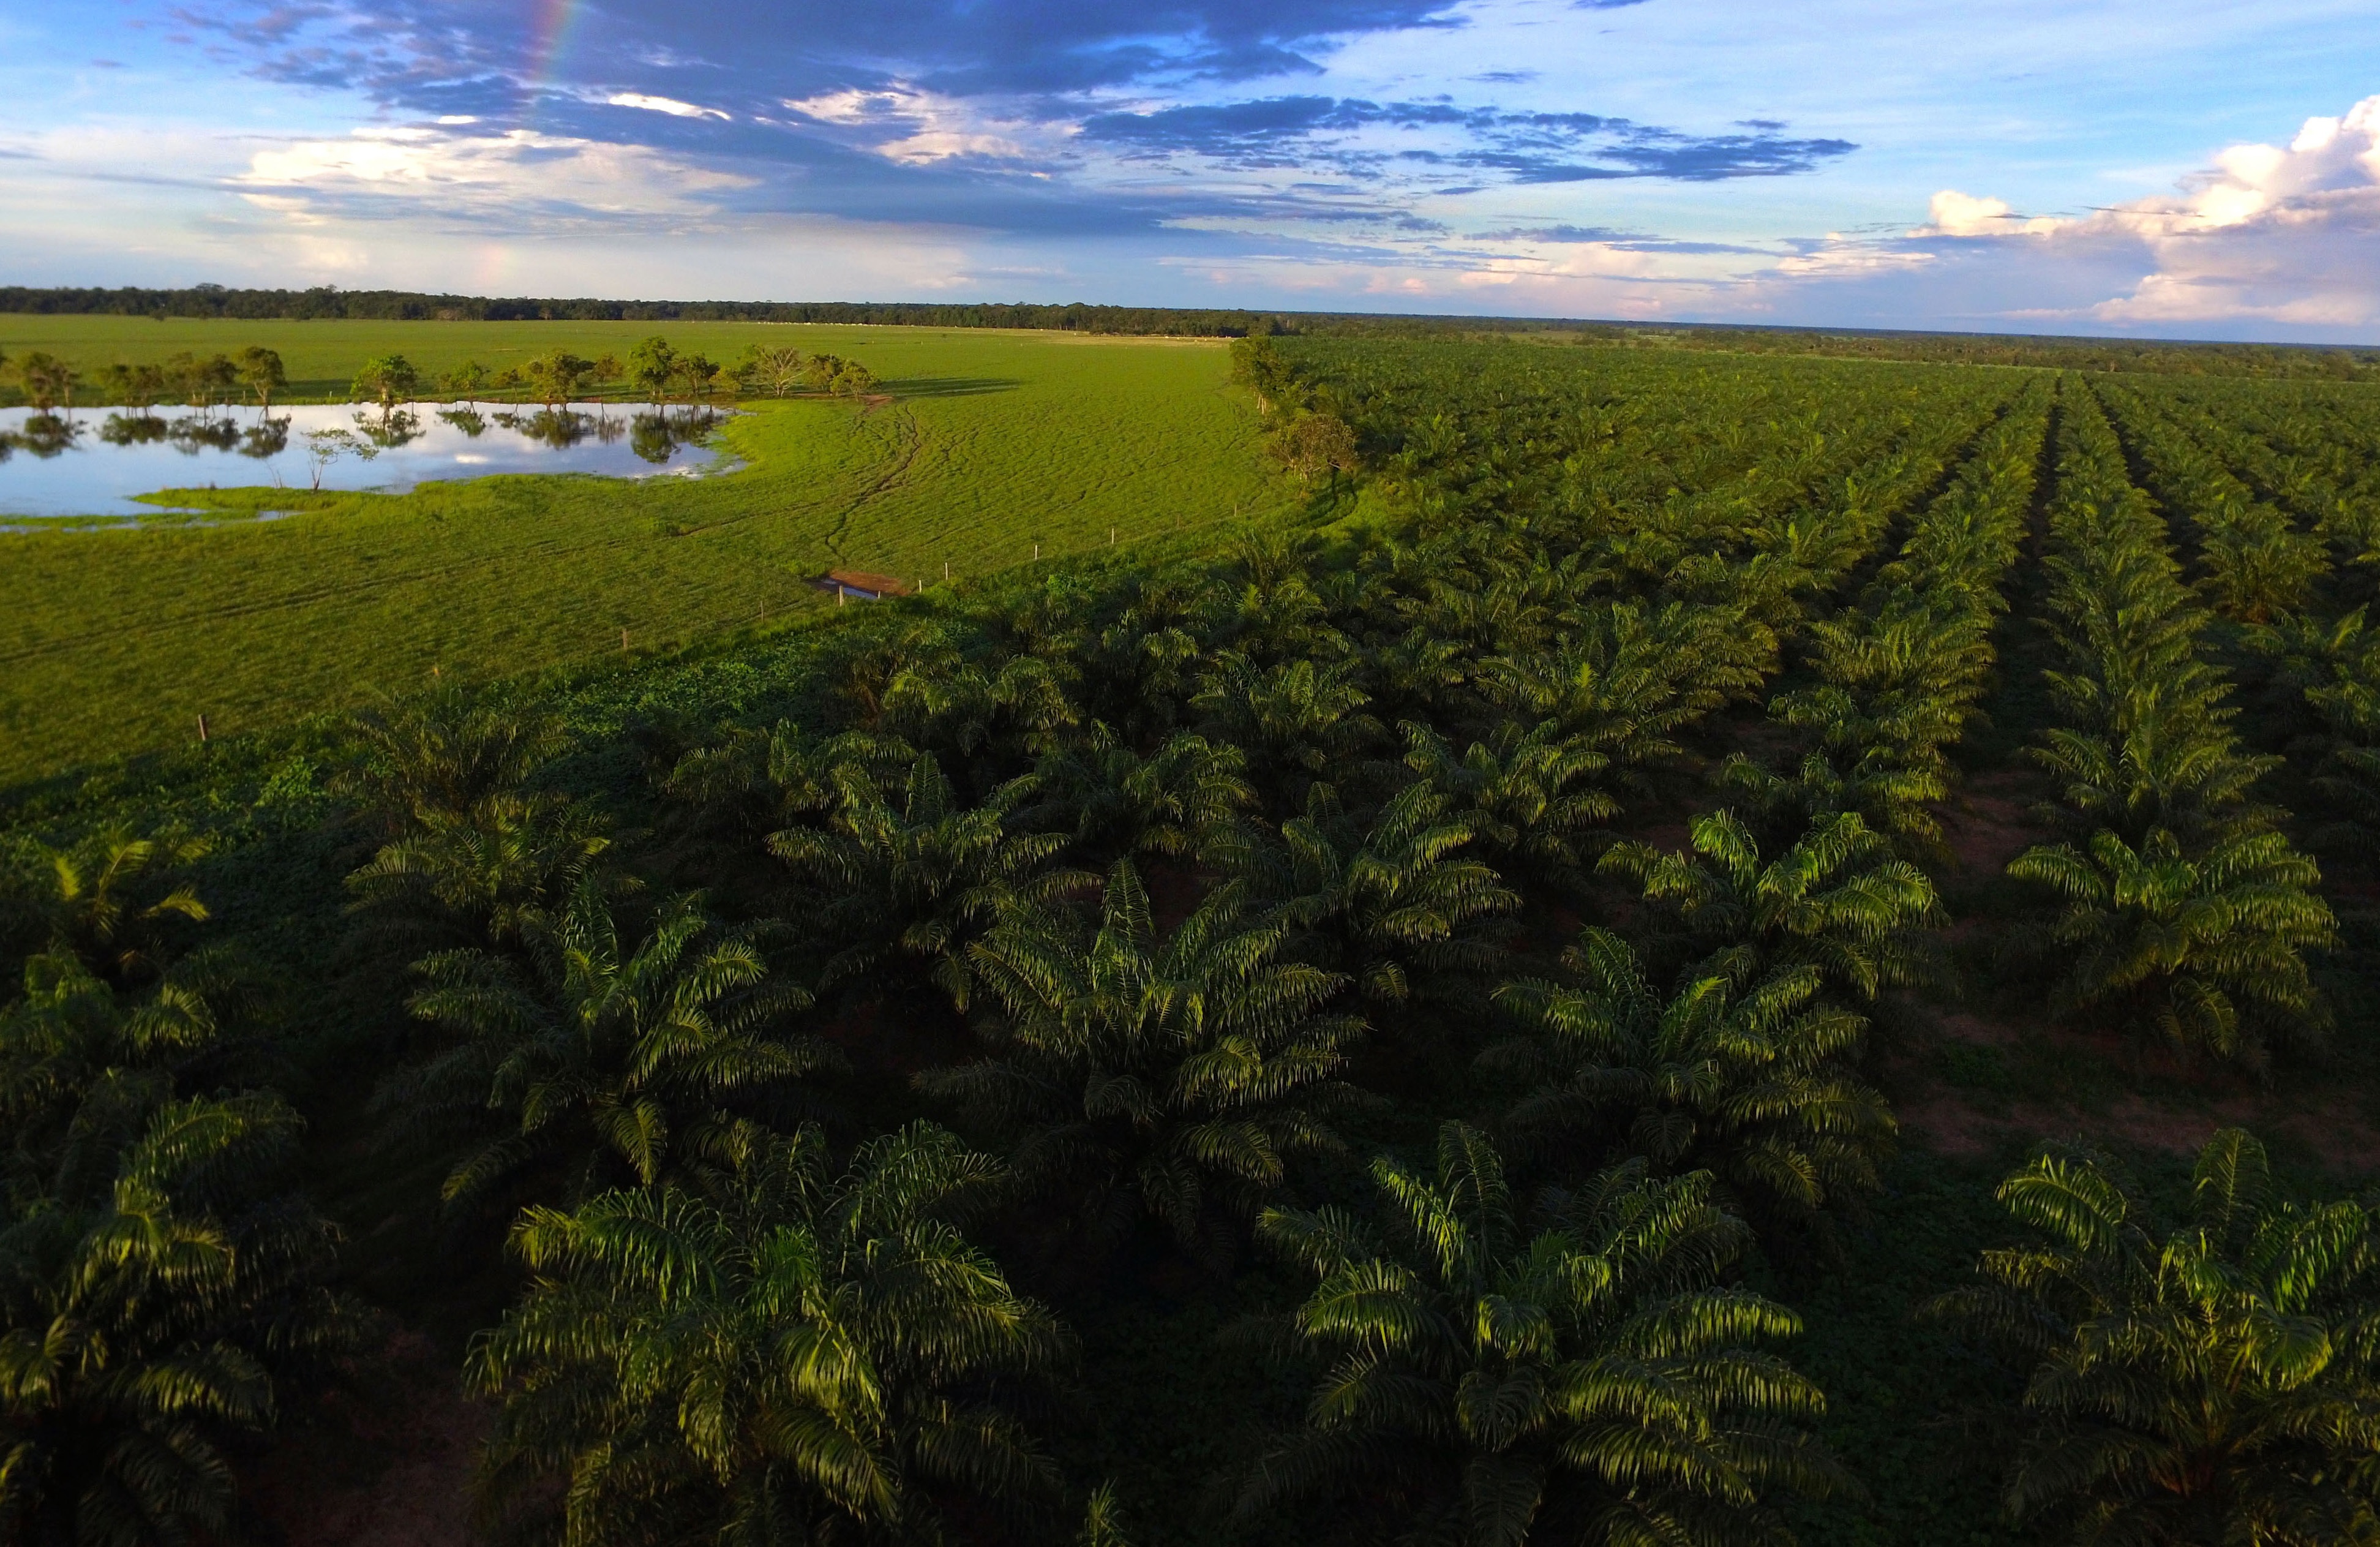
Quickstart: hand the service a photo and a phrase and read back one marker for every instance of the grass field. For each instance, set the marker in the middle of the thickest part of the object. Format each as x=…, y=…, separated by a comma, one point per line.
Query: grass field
x=992, y=442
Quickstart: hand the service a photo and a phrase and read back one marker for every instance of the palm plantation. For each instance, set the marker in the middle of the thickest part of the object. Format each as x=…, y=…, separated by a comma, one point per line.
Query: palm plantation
x=1458, y=1010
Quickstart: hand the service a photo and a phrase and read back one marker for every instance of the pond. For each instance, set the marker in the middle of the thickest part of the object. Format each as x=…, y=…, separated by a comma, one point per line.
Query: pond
x=91, y=462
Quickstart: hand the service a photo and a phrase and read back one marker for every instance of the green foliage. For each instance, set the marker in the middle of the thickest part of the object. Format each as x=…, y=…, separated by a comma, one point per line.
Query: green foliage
x=1114, y=856
x=599, y=1058
x=1745, y=1072
x=768, y=1352
x=386, y=380
x=146, y=1312
x=652, y=365
x=47, y=380
x=111, y=900
x=1837, y=901
x=1587, y=1382
x=1170, y=1077
x=2186, y=943
x=1899, y=674
x=1395, y=902
x=557, y=377
x=474, y=853
x=2218, y=1383
x=920, y=878
x=156, y=1279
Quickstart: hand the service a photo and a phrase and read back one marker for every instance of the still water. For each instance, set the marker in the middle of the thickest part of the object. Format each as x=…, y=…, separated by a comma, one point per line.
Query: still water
x=91, y=462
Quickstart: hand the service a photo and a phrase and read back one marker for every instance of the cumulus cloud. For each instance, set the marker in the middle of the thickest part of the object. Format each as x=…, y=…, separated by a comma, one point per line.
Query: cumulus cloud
x=1959, y=214
x=2274, y=241
x=518, y=172
x=2288, y=233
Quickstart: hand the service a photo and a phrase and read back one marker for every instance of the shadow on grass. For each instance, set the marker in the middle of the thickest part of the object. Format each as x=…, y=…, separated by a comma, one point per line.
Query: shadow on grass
x=951, y=387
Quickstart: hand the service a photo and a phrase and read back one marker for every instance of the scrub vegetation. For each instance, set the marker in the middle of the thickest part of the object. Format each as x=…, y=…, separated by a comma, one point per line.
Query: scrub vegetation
x=1653, y=947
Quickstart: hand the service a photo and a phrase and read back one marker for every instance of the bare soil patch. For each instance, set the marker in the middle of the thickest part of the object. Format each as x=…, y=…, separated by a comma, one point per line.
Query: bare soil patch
x=388, y=1465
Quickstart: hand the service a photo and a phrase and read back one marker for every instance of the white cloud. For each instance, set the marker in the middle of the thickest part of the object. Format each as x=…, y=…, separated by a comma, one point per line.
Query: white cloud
x=519, y=171
x=2275, y=240
x=914, y=128
x=670, y=105
x=2288, y=234
x=1959, y=214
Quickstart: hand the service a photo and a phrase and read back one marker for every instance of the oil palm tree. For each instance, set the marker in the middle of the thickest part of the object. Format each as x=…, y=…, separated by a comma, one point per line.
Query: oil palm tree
x=2207, y=950
x=145, y=1310
x=486, y=875
x=1302, y=719
x=1391, y=902
x=598, y=1056
x=967, y=708
x=113, y=899
x=1838, y=899
x=1628, y=681
x=1897, y=686
x=1587, y=1382
x=1534, y=798
x=766, y=1352
x=917, y=878
x=445, y=752
x=1170, y=1078
x=472, y=852
x=1183, y=800
x=1749, y=1079
x=752, y=783
x=82, y=1066
x=2218, y=1383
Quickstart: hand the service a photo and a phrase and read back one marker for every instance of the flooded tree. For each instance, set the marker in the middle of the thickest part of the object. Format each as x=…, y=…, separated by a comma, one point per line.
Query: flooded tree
x=260, y=371
x=387, y=380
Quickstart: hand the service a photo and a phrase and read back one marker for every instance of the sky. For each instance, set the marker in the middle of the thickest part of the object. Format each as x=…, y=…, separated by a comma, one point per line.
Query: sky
x=2178, y=168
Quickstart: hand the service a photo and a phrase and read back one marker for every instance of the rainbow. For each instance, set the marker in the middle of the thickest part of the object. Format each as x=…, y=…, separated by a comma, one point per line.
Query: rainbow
x=551, y=22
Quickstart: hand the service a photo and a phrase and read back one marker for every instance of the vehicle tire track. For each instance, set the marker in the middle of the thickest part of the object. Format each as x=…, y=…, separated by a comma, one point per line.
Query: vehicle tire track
x=915, y=435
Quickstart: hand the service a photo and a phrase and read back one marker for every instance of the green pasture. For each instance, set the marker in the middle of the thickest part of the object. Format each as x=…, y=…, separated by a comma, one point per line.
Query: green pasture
x=991, y=443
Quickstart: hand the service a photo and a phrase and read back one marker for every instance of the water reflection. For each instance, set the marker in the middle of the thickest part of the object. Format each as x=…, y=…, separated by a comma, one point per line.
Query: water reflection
x=65, y=464
x=267, y=438
x=390, y=428
x=264, y=438
x=658, y=435
x=554, y=427
x=133, y=430
x=44, y=436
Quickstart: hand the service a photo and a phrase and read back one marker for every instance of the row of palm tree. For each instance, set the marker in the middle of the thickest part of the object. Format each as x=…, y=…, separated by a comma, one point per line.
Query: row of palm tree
x=2301, y=477
x=2188, y=913
x=1899, y=673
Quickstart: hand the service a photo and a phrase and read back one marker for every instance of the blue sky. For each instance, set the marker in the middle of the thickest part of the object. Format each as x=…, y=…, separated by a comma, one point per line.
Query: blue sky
x=2178, y=168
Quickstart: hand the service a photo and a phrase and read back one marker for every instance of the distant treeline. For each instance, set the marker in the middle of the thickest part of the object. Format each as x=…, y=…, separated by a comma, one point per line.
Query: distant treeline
x=2149, y=356
x=327, y=302
x=2155, y=357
